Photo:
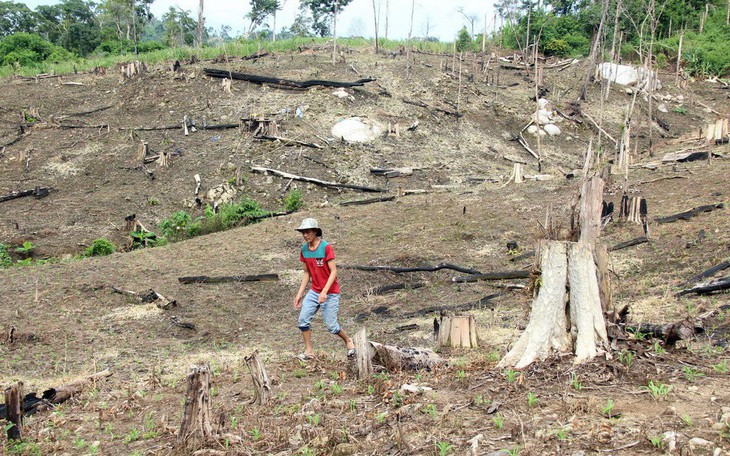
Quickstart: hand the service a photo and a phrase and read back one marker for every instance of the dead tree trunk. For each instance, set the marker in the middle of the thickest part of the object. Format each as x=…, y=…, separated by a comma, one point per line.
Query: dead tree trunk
x=14, y=411
x=261, y=382
x=196, y=427
x=458, y=331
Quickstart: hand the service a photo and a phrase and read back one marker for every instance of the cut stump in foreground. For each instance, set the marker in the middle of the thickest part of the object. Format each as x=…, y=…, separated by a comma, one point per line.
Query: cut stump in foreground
x=14, y=411
x=261, y=382
x=196, y=428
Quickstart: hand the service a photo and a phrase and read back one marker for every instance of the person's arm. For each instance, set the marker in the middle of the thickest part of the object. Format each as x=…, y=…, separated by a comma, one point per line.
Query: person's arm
x=330, y=280
x=302, y=288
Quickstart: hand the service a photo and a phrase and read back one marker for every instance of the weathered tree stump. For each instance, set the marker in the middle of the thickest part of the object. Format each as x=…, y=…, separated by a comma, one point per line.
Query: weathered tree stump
x=14, y=411
x=142, y=151
x=196, y=428
x=363, y=362
x=458, y=331
x=261, y=382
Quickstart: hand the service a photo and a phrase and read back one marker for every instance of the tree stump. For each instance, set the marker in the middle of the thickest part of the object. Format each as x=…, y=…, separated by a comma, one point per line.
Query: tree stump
x=14, y=411
x=517, y=171
x=458, y=331
x=363, y=362
x=196, y=428
x=142, y=151
x=261, y=382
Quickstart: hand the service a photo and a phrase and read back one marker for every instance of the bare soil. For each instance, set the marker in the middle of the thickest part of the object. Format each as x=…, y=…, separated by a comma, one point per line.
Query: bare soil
x=69, y=322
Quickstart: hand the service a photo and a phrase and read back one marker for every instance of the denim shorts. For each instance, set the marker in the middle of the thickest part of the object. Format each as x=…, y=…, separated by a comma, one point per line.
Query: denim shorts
x=330, y=308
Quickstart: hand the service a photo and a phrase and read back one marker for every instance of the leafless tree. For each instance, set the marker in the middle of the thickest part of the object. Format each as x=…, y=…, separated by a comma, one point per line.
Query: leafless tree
x=470, y=17
x=376, y=19
x=200, y=24
x=427, y=27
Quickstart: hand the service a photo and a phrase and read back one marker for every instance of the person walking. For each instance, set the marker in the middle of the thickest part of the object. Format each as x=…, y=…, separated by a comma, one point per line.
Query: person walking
x=318, y=257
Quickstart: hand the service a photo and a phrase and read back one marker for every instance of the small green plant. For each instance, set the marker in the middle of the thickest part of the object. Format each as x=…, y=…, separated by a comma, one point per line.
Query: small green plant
x=575, y=382
x=460, y=375
x=336, y=388
x=658, y=349
x=153, y=202
x=531, y=400
x=100, y=247
x=498, y=421
x=26, y=250
x=679, y=110
x=234, y=422
x=293, y=201
x=180, y=225
x=5, y=260
x=371, y=390
x=142, y=239
x=511, y=451
x=638, y=335
x=511, y=375
x=79, y=443
x=397, y=399
x=380, y=417
x=493, y=356
x=691, y=374
x=626, y=358
x=657, y=441
x=430, y=409
x=256, y=434
x=133, y=436
x=314, y=420
x=687, y=420
x=478, y=399
x=299, y=373
x=444, y=448
x=353, y=405
x=320, y=385
x=607, y=409
x=658, y=390
x=149, y=427
x=721, y=367
x=561, y=434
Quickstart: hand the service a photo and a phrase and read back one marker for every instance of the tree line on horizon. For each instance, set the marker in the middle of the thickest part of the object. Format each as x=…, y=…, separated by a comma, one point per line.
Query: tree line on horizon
x=697, y=32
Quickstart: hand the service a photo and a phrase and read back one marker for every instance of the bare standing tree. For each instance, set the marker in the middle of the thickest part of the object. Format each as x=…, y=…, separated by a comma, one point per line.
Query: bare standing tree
x=471, y=18
x=408, y=49
x=387, y=11
x=376, y=19
x=334, y=33
x=200, y=24
x=427, y=27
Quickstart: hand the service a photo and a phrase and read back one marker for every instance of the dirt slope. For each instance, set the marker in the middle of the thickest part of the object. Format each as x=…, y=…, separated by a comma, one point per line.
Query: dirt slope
x=69, y=322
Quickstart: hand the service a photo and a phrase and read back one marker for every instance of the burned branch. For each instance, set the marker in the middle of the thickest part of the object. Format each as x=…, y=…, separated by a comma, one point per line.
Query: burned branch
x=690, y=213
x=282, y=82
x=285, y=175
x=399, y=270
x=225, y=279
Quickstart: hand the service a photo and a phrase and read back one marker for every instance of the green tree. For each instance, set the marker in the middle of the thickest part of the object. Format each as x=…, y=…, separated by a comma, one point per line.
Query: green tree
x=15, y=18
x=323, y=11
x=463, y=40
x=260, y=10
x=180, y=29
x=71, y=24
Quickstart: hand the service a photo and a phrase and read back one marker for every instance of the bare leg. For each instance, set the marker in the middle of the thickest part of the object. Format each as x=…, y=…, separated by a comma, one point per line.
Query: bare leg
x=346, y=339
x=307, y=336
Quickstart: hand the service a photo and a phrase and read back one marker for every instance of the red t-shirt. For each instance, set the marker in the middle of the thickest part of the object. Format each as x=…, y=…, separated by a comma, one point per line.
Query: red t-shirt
x=316, y=262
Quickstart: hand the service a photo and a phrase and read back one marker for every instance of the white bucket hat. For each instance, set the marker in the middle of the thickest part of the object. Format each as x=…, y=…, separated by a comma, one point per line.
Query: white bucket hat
x=310, y=224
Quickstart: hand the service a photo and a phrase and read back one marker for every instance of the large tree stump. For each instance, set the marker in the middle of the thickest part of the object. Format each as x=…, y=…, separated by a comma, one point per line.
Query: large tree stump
x=458, y=331
x=196, y=428
x=14, y=411
x=261, y=382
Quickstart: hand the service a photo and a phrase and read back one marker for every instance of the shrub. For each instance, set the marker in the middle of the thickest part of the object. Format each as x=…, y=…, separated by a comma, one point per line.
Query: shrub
x=5, y=260
x=179, y=226
x=293, y=201
x=28, y=49
x=557, y=47
x=463, y=40
x=100, y=247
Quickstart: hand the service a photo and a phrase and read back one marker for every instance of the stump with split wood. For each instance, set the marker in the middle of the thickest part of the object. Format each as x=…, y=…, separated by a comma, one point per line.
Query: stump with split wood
x=569, y=265
x=458, y=331
x=196, y=428
x=261, y=382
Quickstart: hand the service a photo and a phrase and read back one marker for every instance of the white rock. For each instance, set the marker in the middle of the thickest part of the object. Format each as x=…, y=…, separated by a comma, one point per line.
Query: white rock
x=532, y=129
x=697, y=442
x=662, y=108
x=356, y=129
x=543, y=116
x=341, y=93
x=541, y=132
x=552, y=129
x=415, y=388
x=542, y=103
x=670, y=437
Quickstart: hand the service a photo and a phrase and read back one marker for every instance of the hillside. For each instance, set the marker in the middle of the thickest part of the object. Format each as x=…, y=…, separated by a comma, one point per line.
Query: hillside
x=69, y=322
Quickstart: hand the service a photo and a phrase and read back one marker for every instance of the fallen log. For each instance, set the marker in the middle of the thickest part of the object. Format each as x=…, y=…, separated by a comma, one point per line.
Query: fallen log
x=479, y=304
x=399, y=270
x=367, y=201
x=224, y=279
x=689, y=214
x=629, y=243
x=391, y=172
x=683, y=157
x=523, y=256
x=256, y=79
x=521, y=274
x=709, y=272
x=670, y=333
x=149, y=296
x=720, y=284
x=287, y=141
x=54, y=396
x=391, y=288
x=396, y=358
x=255, y=56
x=421, y=104
x=38, y=192
x=285, y=175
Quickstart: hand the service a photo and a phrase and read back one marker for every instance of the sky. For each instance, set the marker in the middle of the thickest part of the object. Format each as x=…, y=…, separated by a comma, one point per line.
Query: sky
x=441, y=17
